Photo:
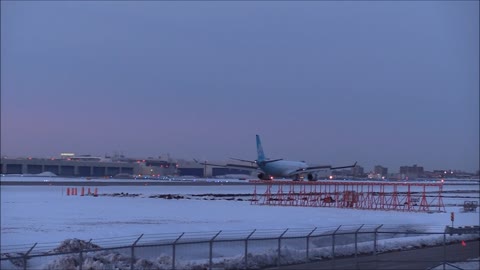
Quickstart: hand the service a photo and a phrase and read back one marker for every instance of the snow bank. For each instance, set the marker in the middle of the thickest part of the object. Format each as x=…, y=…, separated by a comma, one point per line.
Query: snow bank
x=74, y=245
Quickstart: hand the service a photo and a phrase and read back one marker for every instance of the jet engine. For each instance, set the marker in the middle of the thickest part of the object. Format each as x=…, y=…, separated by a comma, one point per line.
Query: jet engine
x=311, y=177
x=263, y=176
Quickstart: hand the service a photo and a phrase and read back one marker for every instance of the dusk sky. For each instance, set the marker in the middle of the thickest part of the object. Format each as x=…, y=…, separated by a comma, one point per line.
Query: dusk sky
x=382, y=83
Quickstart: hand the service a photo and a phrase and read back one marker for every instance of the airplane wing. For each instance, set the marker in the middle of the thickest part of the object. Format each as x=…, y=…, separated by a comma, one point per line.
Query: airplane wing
x=244, y=160
x=317, y=168
x=205, y=163
x=309, y=170
x=235, y=166
x=271, y=160
x=246, y=167
x=344, y=167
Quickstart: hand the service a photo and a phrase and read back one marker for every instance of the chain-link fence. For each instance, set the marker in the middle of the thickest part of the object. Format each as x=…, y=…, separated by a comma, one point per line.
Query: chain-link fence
x=233, y=249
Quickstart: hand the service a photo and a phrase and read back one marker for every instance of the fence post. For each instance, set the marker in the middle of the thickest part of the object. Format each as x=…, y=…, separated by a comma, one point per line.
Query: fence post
x=356, y=247
x=173, y=250
x=25, y=257
x=375, y=245
x=333, y=246
x=246, y=248
x=133, y=254
x=81, y=255
x=308, y=241
x=211, y=250
x=444, y=250
x=81, y=259
x=279, y=243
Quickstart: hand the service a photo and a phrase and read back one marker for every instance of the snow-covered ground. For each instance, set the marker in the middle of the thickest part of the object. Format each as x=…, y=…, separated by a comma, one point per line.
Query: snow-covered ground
x=32, y=214
x=45, y=214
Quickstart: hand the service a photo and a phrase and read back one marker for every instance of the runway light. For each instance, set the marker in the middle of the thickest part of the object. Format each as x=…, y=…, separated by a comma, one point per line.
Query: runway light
x=463, y=243
x=331, y=177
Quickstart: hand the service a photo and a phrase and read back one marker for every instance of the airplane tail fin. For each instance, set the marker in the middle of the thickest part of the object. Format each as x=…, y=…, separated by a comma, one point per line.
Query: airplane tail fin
x=260, y=154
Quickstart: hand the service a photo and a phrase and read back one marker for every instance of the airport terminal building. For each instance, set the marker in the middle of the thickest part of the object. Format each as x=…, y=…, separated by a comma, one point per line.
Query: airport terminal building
x=87, y=166
x=122, y=167
x=68, y=168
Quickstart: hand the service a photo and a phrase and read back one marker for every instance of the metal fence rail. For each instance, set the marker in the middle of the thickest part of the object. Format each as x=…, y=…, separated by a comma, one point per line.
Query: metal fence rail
x=253, y=249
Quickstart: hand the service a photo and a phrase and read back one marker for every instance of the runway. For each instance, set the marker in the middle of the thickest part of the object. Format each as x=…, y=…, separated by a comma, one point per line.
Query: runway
x=421, y=259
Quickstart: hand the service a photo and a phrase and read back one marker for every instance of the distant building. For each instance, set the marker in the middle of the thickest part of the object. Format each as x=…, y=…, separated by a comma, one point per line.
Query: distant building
x=190, y=168
x=411, y=171
x=358, y=171
x=85, y=158
x=149, y=166
x=66, y=167
x=429, y=174
x=66, y=155
x=198, y=172
x=72, y=165
x=157, y=167
x=342, y=173
x=452, y=174
x=380, y=171
x=220, y=171
x=439, y=173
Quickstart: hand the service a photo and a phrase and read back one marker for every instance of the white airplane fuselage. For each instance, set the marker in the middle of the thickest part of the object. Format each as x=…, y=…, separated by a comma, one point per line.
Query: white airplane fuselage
x=282, y=168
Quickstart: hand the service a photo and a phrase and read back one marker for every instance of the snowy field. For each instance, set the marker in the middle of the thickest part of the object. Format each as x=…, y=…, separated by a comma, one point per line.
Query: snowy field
x=31, y=214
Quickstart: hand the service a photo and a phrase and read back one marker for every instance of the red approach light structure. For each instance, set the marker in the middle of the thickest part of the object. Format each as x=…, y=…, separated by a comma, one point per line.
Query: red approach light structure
x=412, y=197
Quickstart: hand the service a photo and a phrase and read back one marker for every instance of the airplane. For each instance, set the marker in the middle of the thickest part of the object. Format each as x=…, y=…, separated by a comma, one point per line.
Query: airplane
x=277, y=168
